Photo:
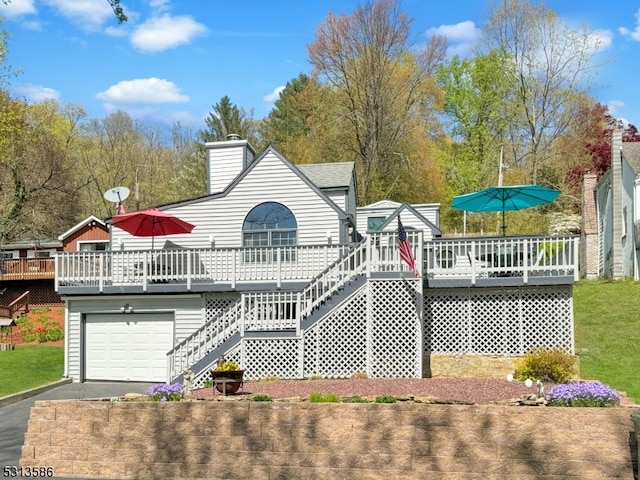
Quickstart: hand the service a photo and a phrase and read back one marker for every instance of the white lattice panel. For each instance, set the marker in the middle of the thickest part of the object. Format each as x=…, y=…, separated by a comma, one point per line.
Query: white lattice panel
x=498, y=321
x=395, y=328
x=264, y=357
x=215, y=303
x=336, y=347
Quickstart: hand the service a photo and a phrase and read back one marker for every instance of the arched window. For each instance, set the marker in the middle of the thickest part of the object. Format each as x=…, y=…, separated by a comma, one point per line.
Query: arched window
x=269, y=224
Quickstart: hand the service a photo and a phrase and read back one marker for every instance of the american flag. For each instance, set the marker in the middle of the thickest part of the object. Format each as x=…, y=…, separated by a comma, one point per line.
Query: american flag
x=405, y=249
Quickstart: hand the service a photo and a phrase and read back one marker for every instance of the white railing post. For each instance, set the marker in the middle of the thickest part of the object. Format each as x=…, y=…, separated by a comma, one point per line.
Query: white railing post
x=279, y=268
x=233, y=268
x=191, y=257
x=56, y=273
x=576, y=271
x=243, y=313
x=298, y=318
x=525, y=261
x=101, y=277
x=369, y=255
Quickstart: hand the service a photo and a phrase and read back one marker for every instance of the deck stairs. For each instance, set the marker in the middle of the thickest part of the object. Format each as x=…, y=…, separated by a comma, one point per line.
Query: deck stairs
x=273, y=313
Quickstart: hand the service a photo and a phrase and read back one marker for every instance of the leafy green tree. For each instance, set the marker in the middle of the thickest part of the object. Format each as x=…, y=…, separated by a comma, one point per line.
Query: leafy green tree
x=226, y=119
x=37, y=200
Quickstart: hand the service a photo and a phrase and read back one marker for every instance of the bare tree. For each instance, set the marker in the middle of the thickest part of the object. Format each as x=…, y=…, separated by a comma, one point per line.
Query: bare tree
x=379, y=84
x=553, y=67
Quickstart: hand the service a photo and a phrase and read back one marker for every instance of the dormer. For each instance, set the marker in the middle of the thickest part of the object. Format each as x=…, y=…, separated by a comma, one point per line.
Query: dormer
x=225, y=161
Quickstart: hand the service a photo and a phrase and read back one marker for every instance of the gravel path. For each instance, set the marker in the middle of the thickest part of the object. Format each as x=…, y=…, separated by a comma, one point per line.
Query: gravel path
x=466, y=390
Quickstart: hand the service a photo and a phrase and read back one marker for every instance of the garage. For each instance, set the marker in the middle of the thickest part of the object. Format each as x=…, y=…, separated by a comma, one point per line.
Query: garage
x=127, y=347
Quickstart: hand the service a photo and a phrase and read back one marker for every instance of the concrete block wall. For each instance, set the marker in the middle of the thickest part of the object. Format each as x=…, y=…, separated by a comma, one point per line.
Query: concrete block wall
x=285, y=441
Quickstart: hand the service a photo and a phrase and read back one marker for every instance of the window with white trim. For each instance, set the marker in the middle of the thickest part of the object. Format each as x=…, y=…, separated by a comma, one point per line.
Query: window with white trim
x=269, y=224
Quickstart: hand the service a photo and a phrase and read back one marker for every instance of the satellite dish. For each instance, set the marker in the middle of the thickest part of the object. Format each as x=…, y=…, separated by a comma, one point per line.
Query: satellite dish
x=116, y=194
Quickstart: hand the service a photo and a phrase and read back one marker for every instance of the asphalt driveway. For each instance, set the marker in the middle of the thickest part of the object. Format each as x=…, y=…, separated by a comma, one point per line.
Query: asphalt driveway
x=14, y=417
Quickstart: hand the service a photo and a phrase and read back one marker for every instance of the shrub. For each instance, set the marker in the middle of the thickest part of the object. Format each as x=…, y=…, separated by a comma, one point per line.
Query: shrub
x=317, y=397
x=357, y=399
x=55, y=333
x=208, y=383
x=165, y=392
x=582, y=394
x=547, y=365
x=41, y=334
x=261, y=397
x=386, y=399
x=27, y=329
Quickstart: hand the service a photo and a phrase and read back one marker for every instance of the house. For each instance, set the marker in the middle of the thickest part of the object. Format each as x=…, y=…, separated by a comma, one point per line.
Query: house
x=285, y=275
x=617, y=202
x=28, y=265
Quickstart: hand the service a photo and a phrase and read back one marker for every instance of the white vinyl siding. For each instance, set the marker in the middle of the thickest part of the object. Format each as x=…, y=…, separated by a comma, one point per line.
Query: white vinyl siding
x=220, y=219
x=225, y=161
x=187, y=311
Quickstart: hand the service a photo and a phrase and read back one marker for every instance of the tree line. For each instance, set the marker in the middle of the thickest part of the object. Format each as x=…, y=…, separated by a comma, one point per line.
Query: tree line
x=420, y=127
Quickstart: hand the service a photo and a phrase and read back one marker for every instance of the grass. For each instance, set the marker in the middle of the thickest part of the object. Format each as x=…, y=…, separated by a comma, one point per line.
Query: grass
x=30, y=366
x=607, y=332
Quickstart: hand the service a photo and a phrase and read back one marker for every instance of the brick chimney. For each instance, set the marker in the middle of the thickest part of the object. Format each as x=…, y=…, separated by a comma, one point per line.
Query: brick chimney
x=589, y=235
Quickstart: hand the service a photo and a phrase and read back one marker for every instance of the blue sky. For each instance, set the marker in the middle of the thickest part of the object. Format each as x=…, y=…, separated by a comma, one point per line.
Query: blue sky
x=173, y=60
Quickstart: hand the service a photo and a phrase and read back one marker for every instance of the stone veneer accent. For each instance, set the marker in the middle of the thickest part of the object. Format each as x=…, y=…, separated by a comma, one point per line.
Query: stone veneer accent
x=286, y=440
x=476, y=366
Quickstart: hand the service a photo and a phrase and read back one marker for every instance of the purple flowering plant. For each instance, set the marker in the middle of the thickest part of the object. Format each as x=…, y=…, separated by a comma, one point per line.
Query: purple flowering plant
x=582, y=394
x=165, y=392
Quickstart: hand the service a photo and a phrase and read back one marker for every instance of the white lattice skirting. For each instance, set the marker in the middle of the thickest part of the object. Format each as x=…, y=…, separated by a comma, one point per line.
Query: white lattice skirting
x=500, y=321
x=379, y=330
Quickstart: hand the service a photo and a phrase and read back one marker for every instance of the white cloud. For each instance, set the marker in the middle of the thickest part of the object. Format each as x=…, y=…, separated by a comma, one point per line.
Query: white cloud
x=601, y=39
x=632, y=34
x=142, y=91
x=614, y=106
x=35, y=93
x=36, y=26
x=89, y=14
x=162, y=33
x=461, y=36
x=273, y=96
x=17, y=7
x=159, y=5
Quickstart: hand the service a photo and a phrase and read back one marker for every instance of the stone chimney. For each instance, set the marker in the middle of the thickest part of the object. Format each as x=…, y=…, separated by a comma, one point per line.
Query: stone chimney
x=225, y=160
x=589, y=235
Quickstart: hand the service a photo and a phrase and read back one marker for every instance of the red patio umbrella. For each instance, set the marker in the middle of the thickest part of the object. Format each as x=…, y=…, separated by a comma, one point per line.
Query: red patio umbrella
x=151, y=223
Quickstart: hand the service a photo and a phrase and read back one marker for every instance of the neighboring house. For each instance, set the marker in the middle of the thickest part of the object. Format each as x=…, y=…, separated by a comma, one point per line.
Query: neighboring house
x=29, y=265
x=281, y=275
x=617, y=198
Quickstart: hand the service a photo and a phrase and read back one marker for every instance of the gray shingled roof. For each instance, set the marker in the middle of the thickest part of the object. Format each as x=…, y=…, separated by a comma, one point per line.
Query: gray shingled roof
x=631, y=152
x=328, y=175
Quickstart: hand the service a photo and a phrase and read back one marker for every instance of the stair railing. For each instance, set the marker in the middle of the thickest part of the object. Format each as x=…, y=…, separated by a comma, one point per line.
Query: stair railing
x=258, y=311
x=328, y=282
x=206, y=338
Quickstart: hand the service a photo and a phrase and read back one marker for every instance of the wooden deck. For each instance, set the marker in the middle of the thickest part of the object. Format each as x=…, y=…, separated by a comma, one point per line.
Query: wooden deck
x=486, y=261
x=27, y=269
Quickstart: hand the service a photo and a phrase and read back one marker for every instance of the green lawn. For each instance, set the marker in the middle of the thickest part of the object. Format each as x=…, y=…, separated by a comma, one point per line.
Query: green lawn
x=607, y=332
x=29, y=366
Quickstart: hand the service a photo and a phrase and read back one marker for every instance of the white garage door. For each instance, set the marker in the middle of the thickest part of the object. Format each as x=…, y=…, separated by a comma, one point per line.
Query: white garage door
x=129, y=347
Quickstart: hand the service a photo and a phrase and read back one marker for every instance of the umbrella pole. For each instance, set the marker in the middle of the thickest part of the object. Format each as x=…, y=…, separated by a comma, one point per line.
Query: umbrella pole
x=504, y=226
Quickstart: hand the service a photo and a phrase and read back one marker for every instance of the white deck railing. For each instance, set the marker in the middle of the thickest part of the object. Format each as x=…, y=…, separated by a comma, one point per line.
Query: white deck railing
x=224, y=265
x=471, y=258
x=474, y=258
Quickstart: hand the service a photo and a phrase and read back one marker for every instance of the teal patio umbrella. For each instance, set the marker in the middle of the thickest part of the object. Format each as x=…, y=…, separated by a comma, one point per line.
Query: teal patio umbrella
x=503, y=199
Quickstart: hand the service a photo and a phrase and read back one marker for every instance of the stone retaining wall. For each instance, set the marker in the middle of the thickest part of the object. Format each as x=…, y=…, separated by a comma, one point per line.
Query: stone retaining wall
x=285, y=441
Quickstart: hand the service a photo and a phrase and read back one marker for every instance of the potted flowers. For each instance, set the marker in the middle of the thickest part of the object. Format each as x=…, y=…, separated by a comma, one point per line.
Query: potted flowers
x=227, y=376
